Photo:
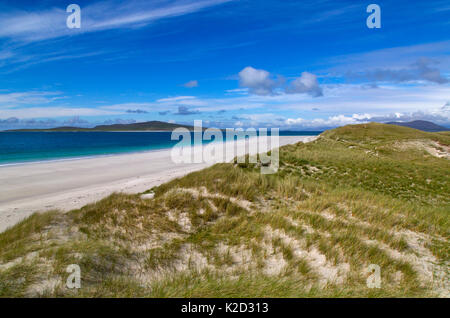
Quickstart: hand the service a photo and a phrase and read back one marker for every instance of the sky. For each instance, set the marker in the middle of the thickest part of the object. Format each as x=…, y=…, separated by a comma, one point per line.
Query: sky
x=293, y=65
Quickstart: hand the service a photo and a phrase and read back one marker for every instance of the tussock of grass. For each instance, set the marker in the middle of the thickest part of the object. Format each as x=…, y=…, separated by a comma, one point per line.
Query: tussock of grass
x=349, y=199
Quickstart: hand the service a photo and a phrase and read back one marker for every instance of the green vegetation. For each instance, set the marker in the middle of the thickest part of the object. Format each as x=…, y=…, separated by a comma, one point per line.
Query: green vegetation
x=358, y=195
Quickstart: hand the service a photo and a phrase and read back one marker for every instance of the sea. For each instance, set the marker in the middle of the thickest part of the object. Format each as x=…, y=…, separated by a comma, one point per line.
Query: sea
x=25, y=147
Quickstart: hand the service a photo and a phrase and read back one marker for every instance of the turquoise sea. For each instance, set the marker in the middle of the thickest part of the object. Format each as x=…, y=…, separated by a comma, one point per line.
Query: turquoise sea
x=20, y=147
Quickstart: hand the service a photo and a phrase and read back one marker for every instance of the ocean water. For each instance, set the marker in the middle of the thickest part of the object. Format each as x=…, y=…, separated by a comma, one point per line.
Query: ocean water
x=20, y=147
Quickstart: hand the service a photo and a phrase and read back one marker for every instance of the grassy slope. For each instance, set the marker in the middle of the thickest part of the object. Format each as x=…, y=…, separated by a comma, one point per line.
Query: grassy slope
x=359, y=195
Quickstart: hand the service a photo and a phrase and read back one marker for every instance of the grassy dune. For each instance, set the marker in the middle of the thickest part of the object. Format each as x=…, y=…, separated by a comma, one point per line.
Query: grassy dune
x=358, y=195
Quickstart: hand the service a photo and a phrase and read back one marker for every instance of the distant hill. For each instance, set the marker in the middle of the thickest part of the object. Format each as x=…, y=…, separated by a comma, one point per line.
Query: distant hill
x=421, y=125
x=145, y=126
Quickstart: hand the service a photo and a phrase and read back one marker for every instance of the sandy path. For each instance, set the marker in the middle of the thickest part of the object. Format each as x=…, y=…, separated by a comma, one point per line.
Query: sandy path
x=71, y=184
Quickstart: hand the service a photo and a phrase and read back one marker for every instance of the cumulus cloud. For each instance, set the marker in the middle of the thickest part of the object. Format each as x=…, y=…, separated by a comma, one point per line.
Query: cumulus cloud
x=261, y=82
x=191, y=84
x=306, y=83
x=163, y=113
x=258, y=82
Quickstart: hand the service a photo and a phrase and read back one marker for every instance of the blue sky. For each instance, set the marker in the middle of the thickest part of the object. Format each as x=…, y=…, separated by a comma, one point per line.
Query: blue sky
x=243, y=63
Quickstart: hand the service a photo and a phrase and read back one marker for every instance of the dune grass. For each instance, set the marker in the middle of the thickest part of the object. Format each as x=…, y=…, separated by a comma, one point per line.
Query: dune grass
x=358, y=195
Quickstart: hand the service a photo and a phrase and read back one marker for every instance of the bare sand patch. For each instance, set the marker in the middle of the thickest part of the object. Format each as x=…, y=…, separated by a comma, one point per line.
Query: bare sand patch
x=432, y=147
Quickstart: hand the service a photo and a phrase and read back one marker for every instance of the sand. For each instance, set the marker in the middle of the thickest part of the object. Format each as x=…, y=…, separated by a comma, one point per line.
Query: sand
x=71, y=184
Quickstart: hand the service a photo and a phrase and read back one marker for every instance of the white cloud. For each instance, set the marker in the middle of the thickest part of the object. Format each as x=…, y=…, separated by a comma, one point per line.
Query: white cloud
x=333, y=121
x=191, y=84
x=127, y=106
x=341, y=104
x=261, y=82
x=345, y=99
x=53, y=112
x=20, y=27
x=33, y=25
x=238, y=91
x=395, y=59
x=105, y=15
x=8, y=100
x=421, y=70
x=306, y=83
x=440, y=116
x=175, y=99
x=258, y=81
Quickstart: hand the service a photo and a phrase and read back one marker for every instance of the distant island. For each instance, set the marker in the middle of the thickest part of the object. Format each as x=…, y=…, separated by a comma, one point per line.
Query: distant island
x=145, y=126
x=421, y=125
x=163, y=126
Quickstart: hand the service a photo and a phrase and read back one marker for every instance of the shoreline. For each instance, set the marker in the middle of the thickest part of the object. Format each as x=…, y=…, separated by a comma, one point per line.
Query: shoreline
x=70, y=184
x=80, y=157
x=100, y=155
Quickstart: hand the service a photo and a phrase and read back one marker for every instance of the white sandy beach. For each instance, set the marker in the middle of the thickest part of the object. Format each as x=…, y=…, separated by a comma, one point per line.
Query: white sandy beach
x=71, y=184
